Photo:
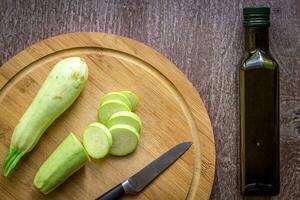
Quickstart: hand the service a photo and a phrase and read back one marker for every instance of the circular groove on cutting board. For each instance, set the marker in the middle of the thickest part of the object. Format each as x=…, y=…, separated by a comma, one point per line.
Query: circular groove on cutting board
x=203, y=154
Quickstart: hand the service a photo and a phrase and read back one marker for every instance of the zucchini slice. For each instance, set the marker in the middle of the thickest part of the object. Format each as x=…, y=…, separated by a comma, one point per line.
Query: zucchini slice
x=108, y=108
x=127, y=118
x=116, y=96
x=97, y=140
x=125, y=140
x=134, y=100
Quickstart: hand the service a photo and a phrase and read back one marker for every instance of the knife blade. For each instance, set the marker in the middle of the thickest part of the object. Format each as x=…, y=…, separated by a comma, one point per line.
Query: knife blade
x=145, y=176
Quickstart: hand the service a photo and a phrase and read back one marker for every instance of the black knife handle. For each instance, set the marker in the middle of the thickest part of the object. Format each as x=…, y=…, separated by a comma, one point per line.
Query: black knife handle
x=113, y=194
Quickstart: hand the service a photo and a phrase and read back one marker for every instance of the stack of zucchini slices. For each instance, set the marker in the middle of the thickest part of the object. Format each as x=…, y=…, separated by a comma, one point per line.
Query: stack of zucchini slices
x=118, y=129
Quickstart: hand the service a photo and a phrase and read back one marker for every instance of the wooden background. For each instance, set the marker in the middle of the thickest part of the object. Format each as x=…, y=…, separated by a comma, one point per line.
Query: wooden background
x=205, y=40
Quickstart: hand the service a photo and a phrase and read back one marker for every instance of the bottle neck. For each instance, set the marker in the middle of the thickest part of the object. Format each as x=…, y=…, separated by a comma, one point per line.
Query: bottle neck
x=256, y=38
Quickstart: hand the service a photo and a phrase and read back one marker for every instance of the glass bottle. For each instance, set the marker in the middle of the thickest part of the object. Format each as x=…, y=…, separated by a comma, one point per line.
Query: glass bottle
x=259, y=108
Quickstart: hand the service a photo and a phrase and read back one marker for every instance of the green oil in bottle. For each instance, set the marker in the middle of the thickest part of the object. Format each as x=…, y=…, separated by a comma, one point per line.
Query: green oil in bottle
x=259, y=108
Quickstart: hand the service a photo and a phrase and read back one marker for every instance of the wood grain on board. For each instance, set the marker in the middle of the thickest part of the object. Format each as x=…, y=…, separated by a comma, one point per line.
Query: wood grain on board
x=205, y=40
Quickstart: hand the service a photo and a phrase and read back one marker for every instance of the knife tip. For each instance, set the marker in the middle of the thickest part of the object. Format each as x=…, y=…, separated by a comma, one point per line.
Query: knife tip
x=187, y=143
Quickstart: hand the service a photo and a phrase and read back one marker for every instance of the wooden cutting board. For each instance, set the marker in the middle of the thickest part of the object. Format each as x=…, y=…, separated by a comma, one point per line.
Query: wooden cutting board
x=170, y=108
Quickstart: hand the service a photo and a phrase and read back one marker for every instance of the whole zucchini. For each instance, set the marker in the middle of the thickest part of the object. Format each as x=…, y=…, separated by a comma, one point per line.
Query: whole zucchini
x=66, y=159
x=62, y=86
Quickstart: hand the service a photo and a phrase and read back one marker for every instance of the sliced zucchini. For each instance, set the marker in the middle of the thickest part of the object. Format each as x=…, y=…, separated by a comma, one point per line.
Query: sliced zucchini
x=125, y=139
x=106, y=131
x=108, y=108
x=127, y=118
x=97, y=140
x=116, y=96
x=134, y=100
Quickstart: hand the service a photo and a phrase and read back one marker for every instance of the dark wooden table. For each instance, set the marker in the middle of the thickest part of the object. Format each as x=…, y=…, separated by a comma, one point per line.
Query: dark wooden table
x=205, y=40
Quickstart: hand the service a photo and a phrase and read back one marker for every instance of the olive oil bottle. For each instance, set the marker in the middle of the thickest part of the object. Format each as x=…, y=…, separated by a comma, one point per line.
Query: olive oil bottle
x=259, y=108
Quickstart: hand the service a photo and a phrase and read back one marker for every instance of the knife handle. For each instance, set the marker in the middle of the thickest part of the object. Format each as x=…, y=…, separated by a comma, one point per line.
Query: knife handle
x=113, y=194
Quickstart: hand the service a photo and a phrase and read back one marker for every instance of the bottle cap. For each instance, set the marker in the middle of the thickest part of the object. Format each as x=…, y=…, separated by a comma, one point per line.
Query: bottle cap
x=256, y=17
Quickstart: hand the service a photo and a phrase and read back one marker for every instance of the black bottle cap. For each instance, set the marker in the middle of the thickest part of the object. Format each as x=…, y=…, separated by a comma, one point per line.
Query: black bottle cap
x=256, y=17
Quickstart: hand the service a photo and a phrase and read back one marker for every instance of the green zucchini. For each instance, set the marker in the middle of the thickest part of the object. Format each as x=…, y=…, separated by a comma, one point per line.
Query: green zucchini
x=127, y=118
x=125, y=139
x=97, y=140
x=62, y=86
x=116, y=96
x=134, y=100
x=108, y=108
x=66, y=159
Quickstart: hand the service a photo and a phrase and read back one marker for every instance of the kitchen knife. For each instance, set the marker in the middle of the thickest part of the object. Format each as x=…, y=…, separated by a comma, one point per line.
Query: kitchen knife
x=145, y=176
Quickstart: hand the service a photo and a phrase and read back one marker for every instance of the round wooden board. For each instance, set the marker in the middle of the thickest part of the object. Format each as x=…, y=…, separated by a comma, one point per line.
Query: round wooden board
x=170, y=108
